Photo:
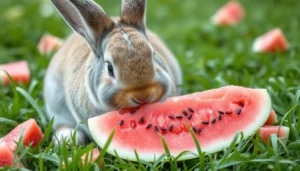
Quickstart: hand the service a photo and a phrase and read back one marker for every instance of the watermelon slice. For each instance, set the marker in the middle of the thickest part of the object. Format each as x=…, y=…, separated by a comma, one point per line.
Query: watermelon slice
x=7, y=156
x=214, y=115
x=19, y=71
x=91, y=157
x=270, y=41
x=94, y=156
x=282, y=132
x=272, y=118
x=230, y=14
x=32, y=135
x=49, y=43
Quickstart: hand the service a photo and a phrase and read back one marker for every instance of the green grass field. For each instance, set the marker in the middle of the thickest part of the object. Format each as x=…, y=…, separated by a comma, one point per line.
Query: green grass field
x=210, y=57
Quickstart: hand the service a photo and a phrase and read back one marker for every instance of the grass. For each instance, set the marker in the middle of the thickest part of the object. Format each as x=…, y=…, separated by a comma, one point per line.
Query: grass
x=210, y=57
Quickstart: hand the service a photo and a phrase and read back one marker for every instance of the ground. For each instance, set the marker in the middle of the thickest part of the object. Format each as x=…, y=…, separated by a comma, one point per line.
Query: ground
x=210, y=57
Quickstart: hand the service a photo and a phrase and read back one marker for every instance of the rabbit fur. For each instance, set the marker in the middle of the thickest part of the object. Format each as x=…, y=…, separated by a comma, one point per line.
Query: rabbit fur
x=108, y=63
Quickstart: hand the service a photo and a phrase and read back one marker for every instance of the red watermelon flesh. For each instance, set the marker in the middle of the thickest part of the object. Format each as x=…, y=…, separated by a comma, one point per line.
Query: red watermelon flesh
x=32, y=134
x=214, y=115
x=49, y=43
x=7, y=156
x=282, y=132
x=229, y=14
x=270, y=41
x=272, y=118
x=19, y=71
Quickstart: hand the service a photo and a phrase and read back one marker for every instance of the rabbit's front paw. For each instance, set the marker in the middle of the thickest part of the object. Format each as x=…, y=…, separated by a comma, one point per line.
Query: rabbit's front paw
x=67, y=133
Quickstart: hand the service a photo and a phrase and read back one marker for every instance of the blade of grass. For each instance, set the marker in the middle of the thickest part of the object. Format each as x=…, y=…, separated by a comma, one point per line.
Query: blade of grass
x=8, y=121
x=35, y=105
x=141, y=166
x=104, y=149
x=201, y=155
x=169, y=155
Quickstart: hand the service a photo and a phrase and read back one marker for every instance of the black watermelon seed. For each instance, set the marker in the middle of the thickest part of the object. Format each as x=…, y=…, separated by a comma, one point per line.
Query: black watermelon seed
x=190, y=109
x=228, y=112
x=148, y=126
x=171, y=127
x=241, y=104
x=184, y=112
x=164, y=129
x=179, y=117
x=171, y=116
x=205, y=123
x=219, y=117
x=156, y=128
x=213, y=120
x=142, y=120
x=121, y=122
x=239, y=111
x=133, y=112
x=199, y=131
x=194, y=128
x=221, y=112
x=190, y=117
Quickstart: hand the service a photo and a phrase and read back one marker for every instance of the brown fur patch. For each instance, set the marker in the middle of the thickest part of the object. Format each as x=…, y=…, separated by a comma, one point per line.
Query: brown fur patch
x=134, y=63
x=139, y=93
x=94, y=13
x=133, y=12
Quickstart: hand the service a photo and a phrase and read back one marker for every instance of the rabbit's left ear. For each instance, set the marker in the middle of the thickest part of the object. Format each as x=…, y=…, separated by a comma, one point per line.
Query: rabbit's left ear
x=86, y=18
x=133, y=12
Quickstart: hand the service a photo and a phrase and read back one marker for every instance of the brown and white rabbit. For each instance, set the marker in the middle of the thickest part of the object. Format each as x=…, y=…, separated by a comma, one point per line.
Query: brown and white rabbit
x=111, y=63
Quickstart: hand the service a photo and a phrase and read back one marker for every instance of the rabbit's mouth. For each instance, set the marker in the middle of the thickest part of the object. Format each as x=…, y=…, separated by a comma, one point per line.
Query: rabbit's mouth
x=141, y=102
x=135, y=98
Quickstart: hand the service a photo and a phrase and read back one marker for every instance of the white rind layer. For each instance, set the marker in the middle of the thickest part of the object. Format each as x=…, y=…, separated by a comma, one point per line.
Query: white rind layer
x=214, y=147
x=256, y=47
x=2, y=76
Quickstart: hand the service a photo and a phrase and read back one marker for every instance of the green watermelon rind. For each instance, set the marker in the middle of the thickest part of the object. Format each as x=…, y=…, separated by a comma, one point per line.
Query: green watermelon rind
x=215, y=147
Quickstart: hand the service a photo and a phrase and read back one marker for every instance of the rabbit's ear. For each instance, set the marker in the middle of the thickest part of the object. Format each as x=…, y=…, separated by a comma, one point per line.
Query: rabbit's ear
x=86, y=18
x=133, y=12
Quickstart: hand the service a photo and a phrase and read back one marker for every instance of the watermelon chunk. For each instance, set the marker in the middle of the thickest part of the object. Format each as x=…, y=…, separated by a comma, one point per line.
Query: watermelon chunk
x=49, y=43
x=94, y=156
x=229, y=14
x=7, y=156
x=272, y=118
x=214, y=115
x=282, y=132
x=32, y=135
x=271, y=41
x=91, y=157
x=19, y=71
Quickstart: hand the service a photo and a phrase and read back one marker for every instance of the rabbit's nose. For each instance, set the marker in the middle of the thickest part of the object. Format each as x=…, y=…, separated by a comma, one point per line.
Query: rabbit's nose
x=142, y=98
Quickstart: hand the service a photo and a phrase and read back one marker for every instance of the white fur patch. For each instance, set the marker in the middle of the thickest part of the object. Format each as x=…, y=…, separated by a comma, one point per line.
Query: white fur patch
x=90, y=93
x=67, y=133
x=125, y=35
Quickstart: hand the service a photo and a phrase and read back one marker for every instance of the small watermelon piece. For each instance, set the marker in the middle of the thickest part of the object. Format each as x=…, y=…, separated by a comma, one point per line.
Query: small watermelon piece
x=91, y=157
x=19, y=71
x=282, y=132
x=230, y=14
x=214, y=115
x=49, y=43
x=272, y=118
x=271, y=41
x=94, y=156
x=7, y=156
x=32, y=134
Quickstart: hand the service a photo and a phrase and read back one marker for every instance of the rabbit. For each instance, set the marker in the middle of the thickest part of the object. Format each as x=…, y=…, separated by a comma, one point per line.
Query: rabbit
x=108, y=63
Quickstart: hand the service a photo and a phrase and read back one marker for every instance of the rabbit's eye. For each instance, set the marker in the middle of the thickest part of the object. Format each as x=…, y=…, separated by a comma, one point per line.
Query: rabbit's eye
x=110, y=70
